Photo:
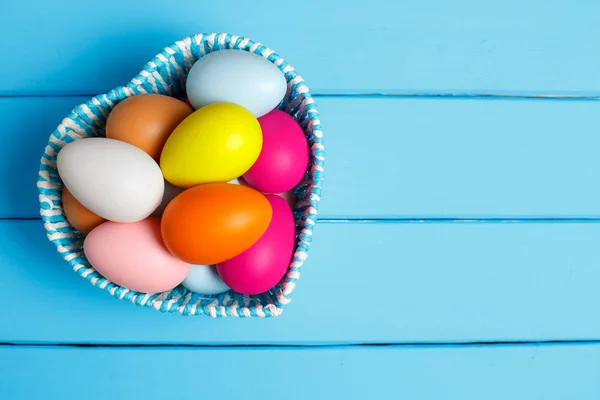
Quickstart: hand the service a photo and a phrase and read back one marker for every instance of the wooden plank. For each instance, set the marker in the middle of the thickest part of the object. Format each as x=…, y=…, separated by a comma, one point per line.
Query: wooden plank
x=396, y=158
x=26, y=137
x=493, y=373
x=362, y=283
x=380, y=45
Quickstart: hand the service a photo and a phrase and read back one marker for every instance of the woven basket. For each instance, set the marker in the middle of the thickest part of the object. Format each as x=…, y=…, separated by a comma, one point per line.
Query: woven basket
x=166, y=74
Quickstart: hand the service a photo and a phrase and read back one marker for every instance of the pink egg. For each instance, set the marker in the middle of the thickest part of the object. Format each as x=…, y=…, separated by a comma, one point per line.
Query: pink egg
x=134, y=256
x=263, y=265
x=283, y=159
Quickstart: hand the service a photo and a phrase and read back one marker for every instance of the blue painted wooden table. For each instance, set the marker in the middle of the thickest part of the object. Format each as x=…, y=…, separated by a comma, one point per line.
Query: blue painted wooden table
x=457, y=251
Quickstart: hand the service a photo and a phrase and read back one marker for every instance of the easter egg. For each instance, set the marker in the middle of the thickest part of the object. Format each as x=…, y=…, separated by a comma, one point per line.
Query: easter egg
x=114, y=180
x=211, y=223
x=134, y=256
x=217, y=143
x=283, y=158
x=78, y=216
x=262, y=266
x=204, y=279
x=236, y=76
x=146, y=121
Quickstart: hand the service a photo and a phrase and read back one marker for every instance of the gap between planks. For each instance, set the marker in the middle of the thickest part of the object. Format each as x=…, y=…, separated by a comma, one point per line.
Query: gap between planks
x=440, y=345
x=427, y=220
x=457, y=95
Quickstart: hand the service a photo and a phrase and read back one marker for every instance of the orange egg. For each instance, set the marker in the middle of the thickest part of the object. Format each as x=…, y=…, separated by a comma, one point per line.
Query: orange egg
x=80, y=217
x=211, y=223
x=146, y=121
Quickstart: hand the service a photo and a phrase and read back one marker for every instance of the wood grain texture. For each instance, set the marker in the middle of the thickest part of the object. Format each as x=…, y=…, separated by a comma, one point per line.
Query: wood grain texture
x=378, y=45
x=496, y=373
x=396, y=158
x=362, y=283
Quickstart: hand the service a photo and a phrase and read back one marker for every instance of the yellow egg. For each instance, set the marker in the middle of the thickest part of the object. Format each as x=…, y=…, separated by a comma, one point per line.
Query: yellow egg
x=216, y=143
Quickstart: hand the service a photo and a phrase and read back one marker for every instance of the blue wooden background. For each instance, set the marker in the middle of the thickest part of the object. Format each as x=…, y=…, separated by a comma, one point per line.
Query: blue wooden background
x=457, y=254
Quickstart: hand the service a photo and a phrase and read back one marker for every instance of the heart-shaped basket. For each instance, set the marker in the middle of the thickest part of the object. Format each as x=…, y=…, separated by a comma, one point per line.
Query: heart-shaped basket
x=166, y=74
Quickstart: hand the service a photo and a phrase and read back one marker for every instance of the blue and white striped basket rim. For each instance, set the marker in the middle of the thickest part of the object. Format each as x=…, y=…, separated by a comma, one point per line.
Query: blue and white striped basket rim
x=166, y=74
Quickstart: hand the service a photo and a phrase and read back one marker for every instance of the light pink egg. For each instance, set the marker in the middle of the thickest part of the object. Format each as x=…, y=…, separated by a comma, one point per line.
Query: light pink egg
x=134, y=256
x=283, y=159
x=263, y=265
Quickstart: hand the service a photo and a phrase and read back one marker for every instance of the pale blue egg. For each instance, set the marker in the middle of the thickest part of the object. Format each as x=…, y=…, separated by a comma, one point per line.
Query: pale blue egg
x=204, y=279
x=236, y=76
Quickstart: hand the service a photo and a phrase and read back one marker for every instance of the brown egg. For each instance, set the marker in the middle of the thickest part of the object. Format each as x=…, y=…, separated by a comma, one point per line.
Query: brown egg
x=146, y=121
x=80, y=217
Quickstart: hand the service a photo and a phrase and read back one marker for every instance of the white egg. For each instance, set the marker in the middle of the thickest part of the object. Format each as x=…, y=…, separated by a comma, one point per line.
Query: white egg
x=236, y=76
x=113, y=179
x=204, y=279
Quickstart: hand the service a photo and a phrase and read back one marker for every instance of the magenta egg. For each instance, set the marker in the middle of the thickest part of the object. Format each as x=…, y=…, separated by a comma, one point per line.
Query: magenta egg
x=263, y=265
x=283, y=159
x=134, y=256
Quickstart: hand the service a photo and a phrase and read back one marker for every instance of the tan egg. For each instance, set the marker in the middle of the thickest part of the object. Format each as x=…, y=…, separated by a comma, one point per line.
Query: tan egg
x=146, y=121
x=80, y=217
